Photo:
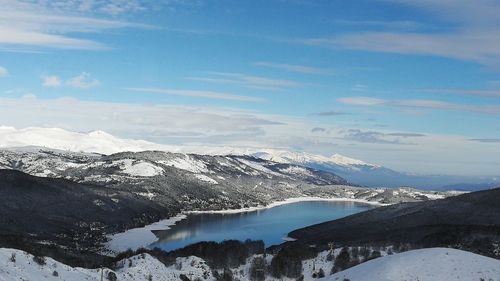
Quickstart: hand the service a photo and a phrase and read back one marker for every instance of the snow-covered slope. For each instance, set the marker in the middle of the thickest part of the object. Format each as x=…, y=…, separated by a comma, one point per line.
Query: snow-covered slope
x=434, y=264
x=19, y=265
x=284, y=156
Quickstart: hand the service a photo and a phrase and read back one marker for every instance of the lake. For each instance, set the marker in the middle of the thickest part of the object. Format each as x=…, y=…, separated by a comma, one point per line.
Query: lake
x=270, y=225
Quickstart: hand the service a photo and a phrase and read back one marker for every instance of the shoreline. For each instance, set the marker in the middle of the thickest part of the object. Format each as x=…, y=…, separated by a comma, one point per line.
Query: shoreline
x=136, y=238
x=284, y=202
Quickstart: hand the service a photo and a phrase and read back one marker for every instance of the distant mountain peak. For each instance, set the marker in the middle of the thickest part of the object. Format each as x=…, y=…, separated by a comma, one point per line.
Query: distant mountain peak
x=57, y=138
x=341, y=159
x=354, y=170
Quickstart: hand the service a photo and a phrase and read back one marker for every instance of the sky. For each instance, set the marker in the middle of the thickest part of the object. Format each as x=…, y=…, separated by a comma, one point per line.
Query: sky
x=411, y=85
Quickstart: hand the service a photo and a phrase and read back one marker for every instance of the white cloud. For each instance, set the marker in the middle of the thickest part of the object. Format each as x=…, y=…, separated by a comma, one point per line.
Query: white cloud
x=359, y=88
x=426, y=104
x=481, y=46
x=197, y=93
x=469, y=92
x=168, y=124
x=294, y=68
x=245, y=80
x=361, y=101
x=48, y=24
x=399, y=25
x=83, y=81
x=3, y=71
x=51, y=81
x=474, y=36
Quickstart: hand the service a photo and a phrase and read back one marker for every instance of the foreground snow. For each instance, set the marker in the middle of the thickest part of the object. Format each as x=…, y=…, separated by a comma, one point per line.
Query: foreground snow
x=140, y=267
x=434, y=264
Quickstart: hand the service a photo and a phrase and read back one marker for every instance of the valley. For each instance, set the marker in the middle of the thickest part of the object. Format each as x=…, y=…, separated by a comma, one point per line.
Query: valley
x=132, y=213
x=79, y=199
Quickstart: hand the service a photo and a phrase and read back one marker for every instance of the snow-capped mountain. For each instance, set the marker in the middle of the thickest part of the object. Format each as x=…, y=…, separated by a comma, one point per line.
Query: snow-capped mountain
x=367, y=174
x=55, y=138
x=139, y=188
x=284, y=156
x=354, y=170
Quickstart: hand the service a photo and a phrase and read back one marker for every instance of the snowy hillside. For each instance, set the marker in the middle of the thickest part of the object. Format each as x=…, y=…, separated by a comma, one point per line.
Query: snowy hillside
x=434, y=264
x=19, y=265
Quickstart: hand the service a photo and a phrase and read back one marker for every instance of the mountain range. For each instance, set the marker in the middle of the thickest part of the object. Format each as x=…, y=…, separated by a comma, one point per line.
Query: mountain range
x=44, y=191
x=353, y=170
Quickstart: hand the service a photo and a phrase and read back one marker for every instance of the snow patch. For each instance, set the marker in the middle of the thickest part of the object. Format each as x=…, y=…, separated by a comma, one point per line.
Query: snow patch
x=139, y=169
x=296, y=170
x=186, y=163
x=139, y=237
x=206, y=179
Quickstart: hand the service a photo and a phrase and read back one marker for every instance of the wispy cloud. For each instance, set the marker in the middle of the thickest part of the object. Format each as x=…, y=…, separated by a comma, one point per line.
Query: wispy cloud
x=246, y=80
x=470, y=92
x=399, y=25
x=479, y=46
x=83, y=81
x=425, y=104
x=176, y=124
x=378, y=137
x=361, y=101
x=164, y=123
x=475, y=38
x=406, y=135
x=493, y=140
x=3, y=71
x=48, y=24
x=51, y=81
x=197, y=93
x=359, y=88
x=295, y=68
x=329, y=113
x=318, y=130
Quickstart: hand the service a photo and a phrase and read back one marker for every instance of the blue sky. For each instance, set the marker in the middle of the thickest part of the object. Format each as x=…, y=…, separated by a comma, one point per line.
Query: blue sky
x=413, y=85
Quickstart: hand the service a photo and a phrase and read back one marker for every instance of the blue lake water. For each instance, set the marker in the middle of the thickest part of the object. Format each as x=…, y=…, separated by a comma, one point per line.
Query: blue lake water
x=270, y=225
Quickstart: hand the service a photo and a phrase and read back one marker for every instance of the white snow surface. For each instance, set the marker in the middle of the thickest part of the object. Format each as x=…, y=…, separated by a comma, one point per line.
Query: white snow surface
x=432, y=264
x=138, y=268
x=139, y=169
x=136, y=238
x=186, y=163
x=293, y=157
x=94, y=142
x=205, y=178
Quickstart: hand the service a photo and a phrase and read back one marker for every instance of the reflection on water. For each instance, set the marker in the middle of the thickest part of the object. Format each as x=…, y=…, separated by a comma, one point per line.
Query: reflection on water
x=269, y=225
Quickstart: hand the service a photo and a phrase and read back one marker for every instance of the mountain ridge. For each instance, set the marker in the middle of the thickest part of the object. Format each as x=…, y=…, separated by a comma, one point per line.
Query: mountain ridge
x=354, y=170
